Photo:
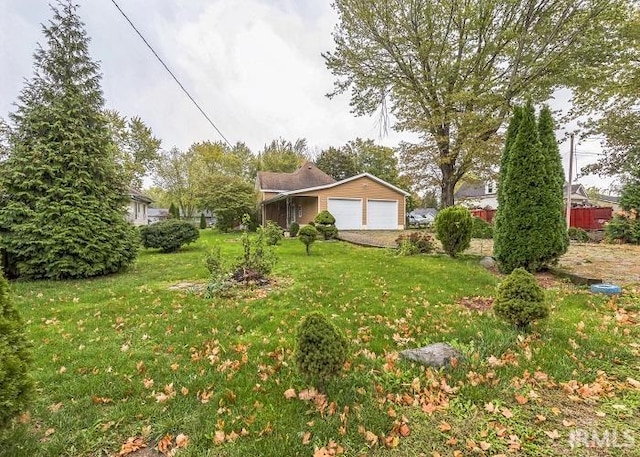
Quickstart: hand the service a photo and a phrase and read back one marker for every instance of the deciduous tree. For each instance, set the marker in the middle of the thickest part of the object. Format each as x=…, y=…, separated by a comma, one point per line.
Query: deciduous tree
x=283, y=156
x=451, y=70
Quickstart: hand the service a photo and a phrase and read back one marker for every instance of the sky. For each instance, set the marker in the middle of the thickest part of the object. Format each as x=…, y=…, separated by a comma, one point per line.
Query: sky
x=254, y=66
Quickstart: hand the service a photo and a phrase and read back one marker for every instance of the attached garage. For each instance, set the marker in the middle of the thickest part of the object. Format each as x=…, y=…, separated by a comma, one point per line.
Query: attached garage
x=347, y=211
x=382, y=214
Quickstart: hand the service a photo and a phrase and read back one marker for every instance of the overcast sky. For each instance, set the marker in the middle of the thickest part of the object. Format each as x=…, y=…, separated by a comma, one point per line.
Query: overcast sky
x=255, y=66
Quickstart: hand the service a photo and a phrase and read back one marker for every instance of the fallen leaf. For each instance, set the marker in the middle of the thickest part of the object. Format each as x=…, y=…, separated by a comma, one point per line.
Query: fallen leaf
x=484, y=445
x=489, y=407
x=290, y=393
x=521, y=399
x=55, y=407
x=182, y=441
x=633, y=383
x=164, y=445
x=306, y=438
x=444, y=426
x=540, y=418
x=506, y=412
x=568, y=423
x=554, y=435
x=132, y=445
x=404, y=430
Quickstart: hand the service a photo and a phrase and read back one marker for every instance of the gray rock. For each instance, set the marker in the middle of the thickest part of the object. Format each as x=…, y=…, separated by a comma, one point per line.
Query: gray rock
x=434, y=355
x=488, y=262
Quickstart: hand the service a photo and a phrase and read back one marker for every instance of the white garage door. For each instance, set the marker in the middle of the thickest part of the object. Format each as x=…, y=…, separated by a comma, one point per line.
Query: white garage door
x=348, y=213
x=382, y=215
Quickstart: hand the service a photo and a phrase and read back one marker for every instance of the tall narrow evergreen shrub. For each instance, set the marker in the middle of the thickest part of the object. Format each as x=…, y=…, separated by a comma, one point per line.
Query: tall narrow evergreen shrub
x=65, y=201
x=554, y=223
x=512, y=132
x=15, y=383
x=529, y=234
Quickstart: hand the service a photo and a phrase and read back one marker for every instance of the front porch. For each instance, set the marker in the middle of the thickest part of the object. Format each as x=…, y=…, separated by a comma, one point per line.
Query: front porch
x=290, y=209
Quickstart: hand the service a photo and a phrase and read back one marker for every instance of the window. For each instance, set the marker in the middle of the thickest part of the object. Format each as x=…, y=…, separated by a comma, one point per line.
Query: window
x=490, y=188
x=299, y=211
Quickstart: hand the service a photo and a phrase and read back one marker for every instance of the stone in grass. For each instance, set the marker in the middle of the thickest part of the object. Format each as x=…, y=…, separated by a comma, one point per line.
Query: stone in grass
x=488, y=262
x=434, y=355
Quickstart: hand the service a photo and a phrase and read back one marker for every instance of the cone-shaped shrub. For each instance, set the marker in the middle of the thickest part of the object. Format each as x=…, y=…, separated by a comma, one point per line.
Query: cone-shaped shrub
x=321, y=349
x=294, y=228
x=453, y=228
x=203, y=221
x=520, y=300
x=15, y=383
x=169, y=235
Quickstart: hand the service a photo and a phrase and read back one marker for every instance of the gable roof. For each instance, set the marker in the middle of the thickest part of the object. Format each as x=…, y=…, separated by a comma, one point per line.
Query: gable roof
x=139, y=196
x=307, y=176
x=282, y=195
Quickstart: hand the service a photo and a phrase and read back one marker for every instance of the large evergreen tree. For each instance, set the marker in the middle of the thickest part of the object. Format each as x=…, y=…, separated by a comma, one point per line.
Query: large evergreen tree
x=527, y=228
x=554, y=223
x=64, y=208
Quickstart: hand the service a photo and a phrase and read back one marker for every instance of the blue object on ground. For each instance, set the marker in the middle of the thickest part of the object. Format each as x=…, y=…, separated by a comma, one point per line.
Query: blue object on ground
x=609, y=289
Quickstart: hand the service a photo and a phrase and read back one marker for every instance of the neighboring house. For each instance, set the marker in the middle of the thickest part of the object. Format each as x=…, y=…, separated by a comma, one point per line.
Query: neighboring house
x=138, y=208
x=607, y=200
x=157, y=215
x=485, y=195
x=361, y=202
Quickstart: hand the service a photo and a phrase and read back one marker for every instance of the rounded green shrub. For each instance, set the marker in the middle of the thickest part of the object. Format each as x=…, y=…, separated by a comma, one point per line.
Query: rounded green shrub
x=578, y=234
x=481, y=229
x=325, y=217
x=321, y=349
x=520, y=299
x=622, y=229
x=294, y=228
x=325, y=223
x=15, y=384
x=272, y=233
x=308, y=235
x=169, y=235
x=453, y=228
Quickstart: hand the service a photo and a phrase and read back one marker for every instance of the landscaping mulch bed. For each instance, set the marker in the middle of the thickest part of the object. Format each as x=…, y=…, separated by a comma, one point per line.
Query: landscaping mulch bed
x=615, y=263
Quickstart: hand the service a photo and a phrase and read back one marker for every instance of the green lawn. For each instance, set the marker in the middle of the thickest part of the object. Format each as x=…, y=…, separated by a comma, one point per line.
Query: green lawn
x=126, y=356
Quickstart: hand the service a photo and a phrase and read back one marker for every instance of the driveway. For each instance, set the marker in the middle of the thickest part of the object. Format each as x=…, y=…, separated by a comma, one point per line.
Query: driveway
x=617, y=263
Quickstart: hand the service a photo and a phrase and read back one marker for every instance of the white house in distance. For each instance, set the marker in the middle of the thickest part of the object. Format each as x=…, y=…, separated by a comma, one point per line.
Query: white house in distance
x=138, y=208
x=485, y=195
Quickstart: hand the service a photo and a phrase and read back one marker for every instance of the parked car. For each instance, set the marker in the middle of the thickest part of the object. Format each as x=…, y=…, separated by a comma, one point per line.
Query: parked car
x=419, y=220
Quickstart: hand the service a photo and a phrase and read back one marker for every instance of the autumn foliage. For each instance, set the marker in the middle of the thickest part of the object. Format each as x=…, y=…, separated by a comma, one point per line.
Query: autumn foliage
x=321, y=349
x=15, y=384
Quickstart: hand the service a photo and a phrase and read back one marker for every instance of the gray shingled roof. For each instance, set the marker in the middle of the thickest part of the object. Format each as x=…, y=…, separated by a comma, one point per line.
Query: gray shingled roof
x=308, y=175
x=468, y=190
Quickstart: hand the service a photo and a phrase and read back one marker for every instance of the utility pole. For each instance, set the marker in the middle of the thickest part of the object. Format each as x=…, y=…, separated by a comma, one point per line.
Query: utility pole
x=569, y=186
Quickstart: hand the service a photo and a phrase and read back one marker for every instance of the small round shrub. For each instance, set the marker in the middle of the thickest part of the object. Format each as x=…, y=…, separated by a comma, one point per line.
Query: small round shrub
x=321, y=349
x=325, y=217
x=415, y=243
x=453, y=228
x=294, y=228
x=308, y=235
x=325, y=223
x=169, y=235
x=481, y=229
x=520, y=299
x=203, y=221
x=272, y=233
x=15, y=384
x=622, y=229
x=578, y=234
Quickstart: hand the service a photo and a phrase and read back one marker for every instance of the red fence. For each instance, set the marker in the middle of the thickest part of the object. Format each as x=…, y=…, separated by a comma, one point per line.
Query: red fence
x=584, y=218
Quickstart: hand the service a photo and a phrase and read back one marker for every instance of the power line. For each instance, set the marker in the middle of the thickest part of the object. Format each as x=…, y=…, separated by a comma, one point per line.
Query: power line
x=171, y=73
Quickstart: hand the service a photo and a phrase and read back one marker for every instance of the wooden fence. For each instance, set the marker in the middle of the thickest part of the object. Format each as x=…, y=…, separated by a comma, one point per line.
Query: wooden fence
x=584, y=218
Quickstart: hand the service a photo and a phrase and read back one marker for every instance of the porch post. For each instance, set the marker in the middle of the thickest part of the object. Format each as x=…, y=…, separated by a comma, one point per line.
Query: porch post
x=286, y=223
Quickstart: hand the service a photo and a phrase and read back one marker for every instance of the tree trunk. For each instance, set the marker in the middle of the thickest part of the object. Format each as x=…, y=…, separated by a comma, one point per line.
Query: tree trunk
x=447, y=185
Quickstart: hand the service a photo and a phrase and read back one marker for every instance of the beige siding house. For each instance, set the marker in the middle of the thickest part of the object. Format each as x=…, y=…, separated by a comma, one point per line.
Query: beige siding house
x=361, y=202
x=137, y=211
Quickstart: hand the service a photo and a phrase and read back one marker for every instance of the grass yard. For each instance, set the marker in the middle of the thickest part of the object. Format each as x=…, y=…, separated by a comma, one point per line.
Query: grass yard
x=127, y=357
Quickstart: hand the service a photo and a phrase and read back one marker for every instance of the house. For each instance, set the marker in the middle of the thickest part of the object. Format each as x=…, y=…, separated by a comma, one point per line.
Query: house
x=485, y=195
x=361, y=202
x=157, y=215
x=603, y=200
x=138, y=208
